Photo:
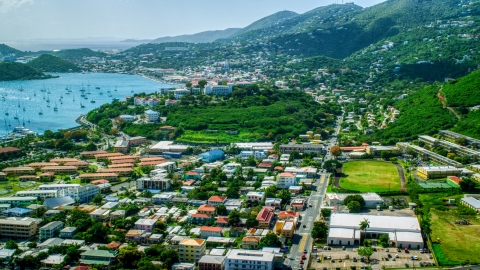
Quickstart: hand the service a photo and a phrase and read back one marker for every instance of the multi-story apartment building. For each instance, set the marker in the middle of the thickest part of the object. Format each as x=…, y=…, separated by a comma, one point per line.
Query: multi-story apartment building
x=219, y=90
x=453, y=136
x=239, y=259
x=19, y=170
x=60, y=169
x=48, y=231
x=191, y=250
x=451, y=147
x=208, y=262
x=286, y=180
x=265, y=216
x=17, y=229
x=145, y=224
x=76, y=191
x=157, y=182
x=255, y=197
x=428, y=155
x=151, y=116
x=302, y=148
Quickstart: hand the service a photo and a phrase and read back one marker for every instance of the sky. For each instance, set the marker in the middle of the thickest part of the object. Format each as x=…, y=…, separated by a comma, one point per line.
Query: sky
x=139, y=19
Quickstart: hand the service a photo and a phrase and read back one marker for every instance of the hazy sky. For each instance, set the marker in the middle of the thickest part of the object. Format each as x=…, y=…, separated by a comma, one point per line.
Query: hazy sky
x=27, y=19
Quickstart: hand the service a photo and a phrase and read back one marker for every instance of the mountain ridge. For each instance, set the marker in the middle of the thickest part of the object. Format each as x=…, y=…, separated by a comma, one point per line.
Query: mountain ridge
x=201, y=37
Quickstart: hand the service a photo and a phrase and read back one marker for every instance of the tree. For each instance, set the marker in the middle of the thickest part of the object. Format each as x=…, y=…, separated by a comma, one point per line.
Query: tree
x=202, y=83
x=169, y=257
x=384, y=240
x=332, y=165
x=233, y=192
x=270, y=240
x=221, y=209
x=354, y=207
x=335, y=151
x=326, y=212
x=233, y=218
x=11, y=244
x=364, y=225
x=97, y=233
x=90, y=147
x=425, y=224
x=319, y=230
x=356, y=197
x=285, y=195
x=468, y=184
x=129, y=256
x=365, y=251
x=251, y=222
x=97, y=199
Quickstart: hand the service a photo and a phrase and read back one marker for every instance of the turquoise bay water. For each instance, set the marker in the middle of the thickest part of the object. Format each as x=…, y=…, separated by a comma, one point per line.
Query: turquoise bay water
x=27, y=104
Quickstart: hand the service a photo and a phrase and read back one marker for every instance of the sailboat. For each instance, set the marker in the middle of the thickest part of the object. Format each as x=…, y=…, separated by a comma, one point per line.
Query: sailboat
x=43, y=89
x=115, y=88
x=66, y=88
x=21, y=88
x=55, y=108
x=88, y=83
x=23, y=121
x=6, y=112
x=34, y=93
x=73, y=97
x=81, y=105
x=41, y=112
x=24, y=108
x=18, y=104
x=16, y=116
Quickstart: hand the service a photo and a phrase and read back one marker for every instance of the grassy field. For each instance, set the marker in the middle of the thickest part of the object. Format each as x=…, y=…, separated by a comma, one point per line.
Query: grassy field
x=370, y=176
x=458, y=243
x=191, y=136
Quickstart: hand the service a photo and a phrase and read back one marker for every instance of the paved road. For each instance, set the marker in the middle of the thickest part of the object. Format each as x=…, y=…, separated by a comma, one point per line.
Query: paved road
x=302, y=239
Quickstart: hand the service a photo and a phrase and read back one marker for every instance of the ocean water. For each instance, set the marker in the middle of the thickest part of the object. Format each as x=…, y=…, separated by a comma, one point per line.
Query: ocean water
x=27, y=104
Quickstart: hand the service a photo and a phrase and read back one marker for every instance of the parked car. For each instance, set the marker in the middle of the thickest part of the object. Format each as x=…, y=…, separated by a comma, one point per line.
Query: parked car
x=396, y=256
x=301, y=261
x=305, y=251
x=412, y=258
x=425, y=264
x=304, y=257
x=406, y=250
x=344, y=248
x=415, y=257
x=354, y=259
x=332, y=260
x=318, y=259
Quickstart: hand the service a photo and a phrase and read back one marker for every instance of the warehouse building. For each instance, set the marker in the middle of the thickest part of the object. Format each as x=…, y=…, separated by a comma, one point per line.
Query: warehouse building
x=403, y=231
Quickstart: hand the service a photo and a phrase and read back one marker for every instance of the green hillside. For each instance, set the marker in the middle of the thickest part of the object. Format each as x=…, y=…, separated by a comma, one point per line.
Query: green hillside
x=420, y=113
x=18, y=71
x=77, y=54
x=50, y=63
x=423, y=112
x=463, y=93
x=5, y=49
x=266, y=22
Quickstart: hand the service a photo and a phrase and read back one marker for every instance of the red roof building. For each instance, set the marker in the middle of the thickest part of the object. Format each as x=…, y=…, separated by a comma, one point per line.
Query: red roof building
x=265, y=216
x=216, y=200
x=288, y=215
x=206, y=209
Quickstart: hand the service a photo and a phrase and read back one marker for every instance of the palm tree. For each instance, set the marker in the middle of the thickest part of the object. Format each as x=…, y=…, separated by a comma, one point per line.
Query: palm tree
x=364, y=224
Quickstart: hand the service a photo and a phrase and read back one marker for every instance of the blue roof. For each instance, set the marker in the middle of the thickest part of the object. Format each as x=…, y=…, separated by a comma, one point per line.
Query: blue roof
x=213, y=152
x=111, y=199
x=150, y=111
x=17, y=210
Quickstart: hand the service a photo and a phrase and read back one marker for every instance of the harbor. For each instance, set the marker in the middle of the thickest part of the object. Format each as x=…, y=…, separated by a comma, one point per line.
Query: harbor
x=54, y=104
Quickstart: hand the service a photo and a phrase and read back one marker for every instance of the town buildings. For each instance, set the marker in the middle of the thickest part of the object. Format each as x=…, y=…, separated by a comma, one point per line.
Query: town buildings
x=191, y=250
x=237, y=259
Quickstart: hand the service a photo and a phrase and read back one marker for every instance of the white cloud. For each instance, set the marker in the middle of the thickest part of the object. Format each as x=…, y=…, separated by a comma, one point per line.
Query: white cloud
x=9, y=5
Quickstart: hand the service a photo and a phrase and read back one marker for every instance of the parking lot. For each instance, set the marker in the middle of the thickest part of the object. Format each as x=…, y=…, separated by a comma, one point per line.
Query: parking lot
x=345, y=258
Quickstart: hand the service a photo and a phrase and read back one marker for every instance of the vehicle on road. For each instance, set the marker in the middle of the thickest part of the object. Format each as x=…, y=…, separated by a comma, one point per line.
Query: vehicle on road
x=305, y=251
x=318, y=259
x=344, y=248
x=301, y=261
x=354, y=259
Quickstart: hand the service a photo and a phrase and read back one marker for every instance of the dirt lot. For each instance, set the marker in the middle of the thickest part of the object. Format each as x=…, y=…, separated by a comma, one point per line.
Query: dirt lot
x=376, y=259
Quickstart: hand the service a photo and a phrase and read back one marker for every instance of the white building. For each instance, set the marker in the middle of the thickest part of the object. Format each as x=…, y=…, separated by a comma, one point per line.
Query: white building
x=81, y=193
x=403, y=231
x=371, y=199
x=255, y=154
x=151, y=116
x=167, y=166
x=220, y=90
x=38, y=193
x=127, y=118
x=58, y=186
x=285, y=180
x=253, y=146
x=179, y=93
x=255, y=196
x=239, y=259
x=309, y=172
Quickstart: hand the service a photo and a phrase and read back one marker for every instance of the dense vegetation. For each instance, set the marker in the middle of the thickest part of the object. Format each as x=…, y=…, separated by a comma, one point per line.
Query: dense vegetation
x=463, y=93
x=50, y=63
x=17, y=71
x=420, y=113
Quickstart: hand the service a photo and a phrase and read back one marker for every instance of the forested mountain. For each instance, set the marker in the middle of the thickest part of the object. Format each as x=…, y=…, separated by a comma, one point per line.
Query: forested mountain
x=202, y=37
x=265, y=22
x=50, y=63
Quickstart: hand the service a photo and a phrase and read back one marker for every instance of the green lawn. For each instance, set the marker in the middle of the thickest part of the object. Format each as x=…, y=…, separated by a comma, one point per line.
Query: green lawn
x=191, y=136
x=370, y=176
x=458, y=243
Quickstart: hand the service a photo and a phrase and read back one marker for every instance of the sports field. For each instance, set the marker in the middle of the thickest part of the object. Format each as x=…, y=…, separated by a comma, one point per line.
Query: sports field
x=370, y=176
x=458, y=243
